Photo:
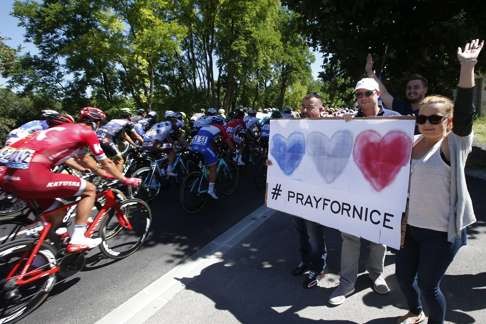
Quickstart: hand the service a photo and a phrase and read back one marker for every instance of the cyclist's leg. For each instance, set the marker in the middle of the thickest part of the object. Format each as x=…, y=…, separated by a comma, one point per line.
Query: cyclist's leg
x=85, y=205
x=171, y=156
x=111, y=150
x=209, y=159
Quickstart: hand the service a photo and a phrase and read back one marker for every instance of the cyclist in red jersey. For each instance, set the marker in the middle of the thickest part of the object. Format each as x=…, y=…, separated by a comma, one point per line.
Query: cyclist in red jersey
x=235, y=128
x=28, y=162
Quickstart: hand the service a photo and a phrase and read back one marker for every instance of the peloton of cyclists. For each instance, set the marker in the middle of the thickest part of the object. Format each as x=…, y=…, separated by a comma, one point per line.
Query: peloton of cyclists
x=120, y=129
x=27, y=165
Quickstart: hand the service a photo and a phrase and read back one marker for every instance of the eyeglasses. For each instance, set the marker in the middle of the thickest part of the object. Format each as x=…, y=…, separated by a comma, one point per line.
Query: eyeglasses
x=367, y=93
x=433, y=119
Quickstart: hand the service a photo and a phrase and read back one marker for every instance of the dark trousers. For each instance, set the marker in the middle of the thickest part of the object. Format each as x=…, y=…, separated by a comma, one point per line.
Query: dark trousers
x=312, y=245
x=420, y=267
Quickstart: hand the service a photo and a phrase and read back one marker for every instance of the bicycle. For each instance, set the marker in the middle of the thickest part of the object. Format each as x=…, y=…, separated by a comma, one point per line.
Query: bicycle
x=193, y=191
x=30, y=267
x=154, y=178
x=11, y=206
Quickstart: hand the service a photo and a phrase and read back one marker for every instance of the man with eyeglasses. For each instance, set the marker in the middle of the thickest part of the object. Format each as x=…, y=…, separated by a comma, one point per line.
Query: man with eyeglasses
x=367, y=96
x=415, y=91
x=313, y=249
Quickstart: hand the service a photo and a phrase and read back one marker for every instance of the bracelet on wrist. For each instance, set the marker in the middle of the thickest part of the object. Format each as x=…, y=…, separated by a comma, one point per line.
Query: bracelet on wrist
x=468, y=60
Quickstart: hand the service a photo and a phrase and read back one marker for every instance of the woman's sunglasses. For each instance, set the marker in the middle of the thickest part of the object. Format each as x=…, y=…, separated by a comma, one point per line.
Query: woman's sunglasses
x=433, y=119
x=367, y=93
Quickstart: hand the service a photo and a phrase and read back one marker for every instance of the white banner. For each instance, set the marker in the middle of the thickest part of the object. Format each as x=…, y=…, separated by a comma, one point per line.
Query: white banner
x=352, y=176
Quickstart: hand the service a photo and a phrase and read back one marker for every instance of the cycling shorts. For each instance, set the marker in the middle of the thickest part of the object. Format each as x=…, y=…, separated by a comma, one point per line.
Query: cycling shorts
x=40, y=184
x=110, y=148
x=209, y=157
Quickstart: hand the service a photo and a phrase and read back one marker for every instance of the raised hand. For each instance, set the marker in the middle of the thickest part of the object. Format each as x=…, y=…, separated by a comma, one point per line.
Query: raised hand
x=369, y=65
x=471, y=51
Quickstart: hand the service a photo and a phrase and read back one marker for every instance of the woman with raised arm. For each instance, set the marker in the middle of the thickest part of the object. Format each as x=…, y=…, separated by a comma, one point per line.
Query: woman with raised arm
x=440, y=207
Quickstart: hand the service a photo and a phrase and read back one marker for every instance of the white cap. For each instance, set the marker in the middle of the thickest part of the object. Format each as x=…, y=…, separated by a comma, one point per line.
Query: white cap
x=368, y=84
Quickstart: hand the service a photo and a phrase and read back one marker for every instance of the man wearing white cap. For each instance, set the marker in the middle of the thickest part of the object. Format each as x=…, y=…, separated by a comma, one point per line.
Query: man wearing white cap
x=367, y=94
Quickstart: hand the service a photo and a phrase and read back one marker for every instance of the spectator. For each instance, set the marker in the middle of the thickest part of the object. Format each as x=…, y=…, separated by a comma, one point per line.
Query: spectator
x=311, y=235
x=415, y=91
x=367, y=93
x=440, y=207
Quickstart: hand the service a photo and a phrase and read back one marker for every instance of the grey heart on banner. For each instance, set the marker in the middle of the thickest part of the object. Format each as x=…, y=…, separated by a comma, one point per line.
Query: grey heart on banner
x=330, y=155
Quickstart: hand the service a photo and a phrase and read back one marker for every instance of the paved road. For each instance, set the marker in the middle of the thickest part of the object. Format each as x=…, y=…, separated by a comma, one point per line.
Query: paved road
x=253, y=282
x=103, y=285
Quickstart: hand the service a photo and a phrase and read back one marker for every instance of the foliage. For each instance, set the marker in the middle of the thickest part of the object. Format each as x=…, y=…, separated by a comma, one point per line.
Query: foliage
x=416, y=36
x=479, y=128
x=160, y=54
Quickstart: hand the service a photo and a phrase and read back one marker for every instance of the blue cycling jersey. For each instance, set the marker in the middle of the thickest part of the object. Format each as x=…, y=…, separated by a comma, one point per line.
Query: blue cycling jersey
x=26, y=129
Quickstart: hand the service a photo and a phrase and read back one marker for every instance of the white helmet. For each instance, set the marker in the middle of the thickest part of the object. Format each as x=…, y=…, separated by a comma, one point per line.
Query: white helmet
x=170, y=114
x=212, y=111
x=152, y=114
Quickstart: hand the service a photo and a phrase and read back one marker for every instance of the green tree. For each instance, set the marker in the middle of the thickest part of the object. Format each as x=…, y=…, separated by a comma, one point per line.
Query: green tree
x=416, y=36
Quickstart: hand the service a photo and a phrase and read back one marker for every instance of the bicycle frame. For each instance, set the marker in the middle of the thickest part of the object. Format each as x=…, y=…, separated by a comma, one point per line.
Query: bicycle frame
x=26, y=277
x=221, y=165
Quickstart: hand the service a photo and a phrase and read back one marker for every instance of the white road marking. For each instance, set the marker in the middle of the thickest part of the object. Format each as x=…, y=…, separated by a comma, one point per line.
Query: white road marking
x=152, y=298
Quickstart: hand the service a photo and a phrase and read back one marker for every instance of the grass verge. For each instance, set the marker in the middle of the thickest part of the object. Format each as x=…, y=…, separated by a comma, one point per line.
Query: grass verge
x=480, y=130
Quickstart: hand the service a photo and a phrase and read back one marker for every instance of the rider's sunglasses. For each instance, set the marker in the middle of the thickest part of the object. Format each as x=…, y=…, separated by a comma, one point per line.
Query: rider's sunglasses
x=433, y=119
x=367, y=93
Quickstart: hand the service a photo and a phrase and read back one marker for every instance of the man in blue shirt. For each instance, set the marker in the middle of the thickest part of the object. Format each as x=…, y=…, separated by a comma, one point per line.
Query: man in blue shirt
x=415, y=91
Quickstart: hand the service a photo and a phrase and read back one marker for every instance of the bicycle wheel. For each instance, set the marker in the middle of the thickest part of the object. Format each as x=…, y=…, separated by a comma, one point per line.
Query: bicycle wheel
x=228, y=178
x=11, y=207
x=18, y=301
x=150, y=186
x=193, y=192
x=120, y=241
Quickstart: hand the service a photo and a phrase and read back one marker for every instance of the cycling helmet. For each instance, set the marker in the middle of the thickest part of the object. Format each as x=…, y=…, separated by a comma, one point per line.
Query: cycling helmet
x=152, y=114
x=170, y=114
x=252, y=113
x=91, y=114
x=125, y=112
x=183, y=114
x=216, y=120
x=212, y=111
x=239, y=114
x=140, y=111
x=221, y=111
x=61, y=119
x=49, y=113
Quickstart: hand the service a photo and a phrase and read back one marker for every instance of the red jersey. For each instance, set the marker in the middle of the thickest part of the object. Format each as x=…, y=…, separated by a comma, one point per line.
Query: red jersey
x=51, y=147
x=234, y=126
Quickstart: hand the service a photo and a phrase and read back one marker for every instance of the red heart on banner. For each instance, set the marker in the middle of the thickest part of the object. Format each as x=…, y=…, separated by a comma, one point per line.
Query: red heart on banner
x=381, y=158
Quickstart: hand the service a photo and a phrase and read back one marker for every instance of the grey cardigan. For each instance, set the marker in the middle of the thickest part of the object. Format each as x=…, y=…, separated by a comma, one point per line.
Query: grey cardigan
x=461, y=212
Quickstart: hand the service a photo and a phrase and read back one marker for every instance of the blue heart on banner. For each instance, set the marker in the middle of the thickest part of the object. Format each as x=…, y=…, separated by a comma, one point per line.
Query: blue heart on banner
x=288, y=151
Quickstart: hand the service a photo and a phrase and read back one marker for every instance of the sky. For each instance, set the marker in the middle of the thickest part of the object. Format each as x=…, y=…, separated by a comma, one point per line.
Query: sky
x=9, y=28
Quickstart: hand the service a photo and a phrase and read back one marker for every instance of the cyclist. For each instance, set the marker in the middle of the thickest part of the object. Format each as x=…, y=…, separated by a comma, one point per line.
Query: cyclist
x=236, y=129
x=28, y=162
x=265, y=129
x=113, y=131
x=142, y=125
x=251, y=121
x=47, y=116
x=287, y=113
x=203, y=143
x=141, y=114
x=162, y=136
